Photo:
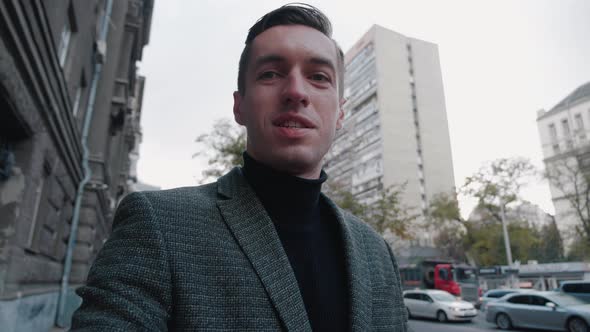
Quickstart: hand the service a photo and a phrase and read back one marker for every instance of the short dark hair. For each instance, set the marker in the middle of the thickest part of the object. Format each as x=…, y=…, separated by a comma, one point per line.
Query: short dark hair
x=290, y=14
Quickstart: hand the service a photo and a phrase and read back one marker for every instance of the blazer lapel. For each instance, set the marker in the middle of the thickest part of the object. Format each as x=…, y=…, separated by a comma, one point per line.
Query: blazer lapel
x=255, y=233
x=357, y=269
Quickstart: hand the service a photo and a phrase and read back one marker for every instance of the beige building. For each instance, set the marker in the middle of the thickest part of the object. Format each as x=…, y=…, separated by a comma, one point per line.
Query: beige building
x=395, y=129
x=565, y=138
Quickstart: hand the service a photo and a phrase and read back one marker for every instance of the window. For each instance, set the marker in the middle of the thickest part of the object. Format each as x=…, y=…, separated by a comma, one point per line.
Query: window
x=412, y=296
x=538, y=300
x=577, y=288
x=553, y=132
x=64, y=43
x=426, y=298
x=520, y=299
x=65, y=37
x=77, y=101
x=579, y=122
x=499, y=294
x=38, y=195
x=78, y=96
x=566, y=127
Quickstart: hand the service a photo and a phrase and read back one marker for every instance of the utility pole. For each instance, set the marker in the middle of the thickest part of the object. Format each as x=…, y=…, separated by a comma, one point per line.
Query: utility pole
x=506, y=236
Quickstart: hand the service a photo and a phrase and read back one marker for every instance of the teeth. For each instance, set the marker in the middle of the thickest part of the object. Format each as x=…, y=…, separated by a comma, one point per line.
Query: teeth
x=292, y=124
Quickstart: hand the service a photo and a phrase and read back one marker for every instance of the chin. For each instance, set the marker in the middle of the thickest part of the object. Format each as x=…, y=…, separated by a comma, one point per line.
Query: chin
x=298, y=162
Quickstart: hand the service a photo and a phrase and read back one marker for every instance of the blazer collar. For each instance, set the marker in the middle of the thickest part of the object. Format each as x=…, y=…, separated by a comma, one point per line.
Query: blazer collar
x=255, y=233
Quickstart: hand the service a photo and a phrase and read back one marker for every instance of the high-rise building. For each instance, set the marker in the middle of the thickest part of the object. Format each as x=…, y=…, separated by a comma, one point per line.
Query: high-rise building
x=65, y=65
x=395, y=130
x=565, y=139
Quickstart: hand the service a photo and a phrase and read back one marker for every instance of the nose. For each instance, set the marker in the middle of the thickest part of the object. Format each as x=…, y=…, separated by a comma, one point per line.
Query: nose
x=295, y=91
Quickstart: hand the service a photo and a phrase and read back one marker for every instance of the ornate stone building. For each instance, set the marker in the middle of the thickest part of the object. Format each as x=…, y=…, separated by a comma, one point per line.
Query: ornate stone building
x=565, y=141
x=70, y=96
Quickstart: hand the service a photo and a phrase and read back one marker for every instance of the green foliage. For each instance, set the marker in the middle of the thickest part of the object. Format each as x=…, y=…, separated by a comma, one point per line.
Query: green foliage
x=223, y=147
x=550, y=245
x=452, y=231
x=498, y=183
x=494, y=185
x=387, y=212
x=346, y=200
x=450, y=240
x=486, y=244
x=580, y=249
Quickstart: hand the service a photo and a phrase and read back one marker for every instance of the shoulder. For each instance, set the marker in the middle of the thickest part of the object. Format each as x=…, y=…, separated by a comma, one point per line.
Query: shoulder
x=181, y=196
x=164, y=205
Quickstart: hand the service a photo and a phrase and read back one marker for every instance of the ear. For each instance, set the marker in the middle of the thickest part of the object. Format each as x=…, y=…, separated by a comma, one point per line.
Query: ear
x=237, y=110
x=340, y=114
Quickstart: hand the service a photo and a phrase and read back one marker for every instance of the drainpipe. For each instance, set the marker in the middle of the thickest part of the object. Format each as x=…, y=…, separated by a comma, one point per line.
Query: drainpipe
x=62, y=318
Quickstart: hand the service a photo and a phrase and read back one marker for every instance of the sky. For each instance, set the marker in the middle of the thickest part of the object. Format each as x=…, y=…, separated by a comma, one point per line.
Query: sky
x=501, y=62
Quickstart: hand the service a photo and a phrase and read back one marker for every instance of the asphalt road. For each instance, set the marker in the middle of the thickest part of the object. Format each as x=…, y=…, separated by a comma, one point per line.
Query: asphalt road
x=430, y=325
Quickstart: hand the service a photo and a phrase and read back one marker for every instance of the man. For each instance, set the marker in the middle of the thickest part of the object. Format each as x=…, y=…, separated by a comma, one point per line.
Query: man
x=261, y=249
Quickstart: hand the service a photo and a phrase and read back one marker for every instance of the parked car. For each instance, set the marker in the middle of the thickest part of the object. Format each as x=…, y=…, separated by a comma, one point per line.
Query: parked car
x=540, y=311
x=494, y=295
x=579, y=289
x=438, y=304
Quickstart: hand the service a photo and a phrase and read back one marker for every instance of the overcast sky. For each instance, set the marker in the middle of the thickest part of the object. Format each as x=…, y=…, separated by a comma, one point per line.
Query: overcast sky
x=501, y=62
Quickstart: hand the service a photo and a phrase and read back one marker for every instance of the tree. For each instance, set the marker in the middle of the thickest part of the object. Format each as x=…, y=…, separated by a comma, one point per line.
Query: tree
x=222, y=147
x=345, y=199
x=389, y=212
x=386, y=212
x=573, y=181
x=495, y=186
x=452, y=231
x=498, y=184
x=579, y=250
x=551, y=245
x=480, y=240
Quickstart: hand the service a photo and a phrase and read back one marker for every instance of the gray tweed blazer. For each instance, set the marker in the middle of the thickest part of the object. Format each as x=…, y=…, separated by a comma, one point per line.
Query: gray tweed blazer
x=208, y=258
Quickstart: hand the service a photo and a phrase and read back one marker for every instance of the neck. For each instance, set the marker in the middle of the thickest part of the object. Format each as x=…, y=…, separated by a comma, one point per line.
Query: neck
x=284, y=196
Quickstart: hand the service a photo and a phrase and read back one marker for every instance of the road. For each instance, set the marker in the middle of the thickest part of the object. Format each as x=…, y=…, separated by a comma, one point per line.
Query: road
x=430, y=325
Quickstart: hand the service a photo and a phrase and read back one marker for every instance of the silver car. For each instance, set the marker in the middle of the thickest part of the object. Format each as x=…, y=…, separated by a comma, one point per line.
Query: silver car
x=494, y=295
x=540, y=311
x=438, y=304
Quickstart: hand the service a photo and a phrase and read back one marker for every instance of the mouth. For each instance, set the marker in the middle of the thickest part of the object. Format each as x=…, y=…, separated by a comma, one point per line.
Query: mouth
x=291, y=121
x=291, y=124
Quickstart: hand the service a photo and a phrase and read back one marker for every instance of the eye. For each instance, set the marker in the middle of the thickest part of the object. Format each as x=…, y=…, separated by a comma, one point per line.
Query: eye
x=320, y=77
x=268, y=75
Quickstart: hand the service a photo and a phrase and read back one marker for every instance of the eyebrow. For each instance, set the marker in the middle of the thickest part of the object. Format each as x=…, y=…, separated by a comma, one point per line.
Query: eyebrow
x=275, y=58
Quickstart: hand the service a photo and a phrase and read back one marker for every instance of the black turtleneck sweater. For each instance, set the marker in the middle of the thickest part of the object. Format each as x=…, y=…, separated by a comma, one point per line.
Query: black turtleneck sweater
x=310, y=235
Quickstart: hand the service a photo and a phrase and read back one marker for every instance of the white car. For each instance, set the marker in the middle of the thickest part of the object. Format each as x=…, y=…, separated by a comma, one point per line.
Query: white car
x=438, y=304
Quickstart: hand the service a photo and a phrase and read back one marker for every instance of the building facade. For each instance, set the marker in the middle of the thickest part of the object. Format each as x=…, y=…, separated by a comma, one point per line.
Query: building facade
x=395, y=130
x=564, y=131
x=69, y=96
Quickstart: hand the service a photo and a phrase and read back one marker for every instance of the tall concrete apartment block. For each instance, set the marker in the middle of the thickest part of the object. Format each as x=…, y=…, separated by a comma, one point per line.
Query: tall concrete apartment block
x=565, y=138
x=395, y=129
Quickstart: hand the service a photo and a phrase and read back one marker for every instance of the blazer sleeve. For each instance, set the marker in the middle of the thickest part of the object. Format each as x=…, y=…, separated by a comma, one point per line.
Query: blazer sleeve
x=129, y=285
x=399, y=291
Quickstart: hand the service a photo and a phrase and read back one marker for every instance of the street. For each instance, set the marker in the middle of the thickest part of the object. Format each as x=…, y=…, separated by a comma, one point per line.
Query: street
x=430, y=325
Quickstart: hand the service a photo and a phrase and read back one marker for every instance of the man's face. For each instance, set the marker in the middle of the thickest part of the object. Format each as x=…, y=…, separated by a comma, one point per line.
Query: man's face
x=290, y=107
